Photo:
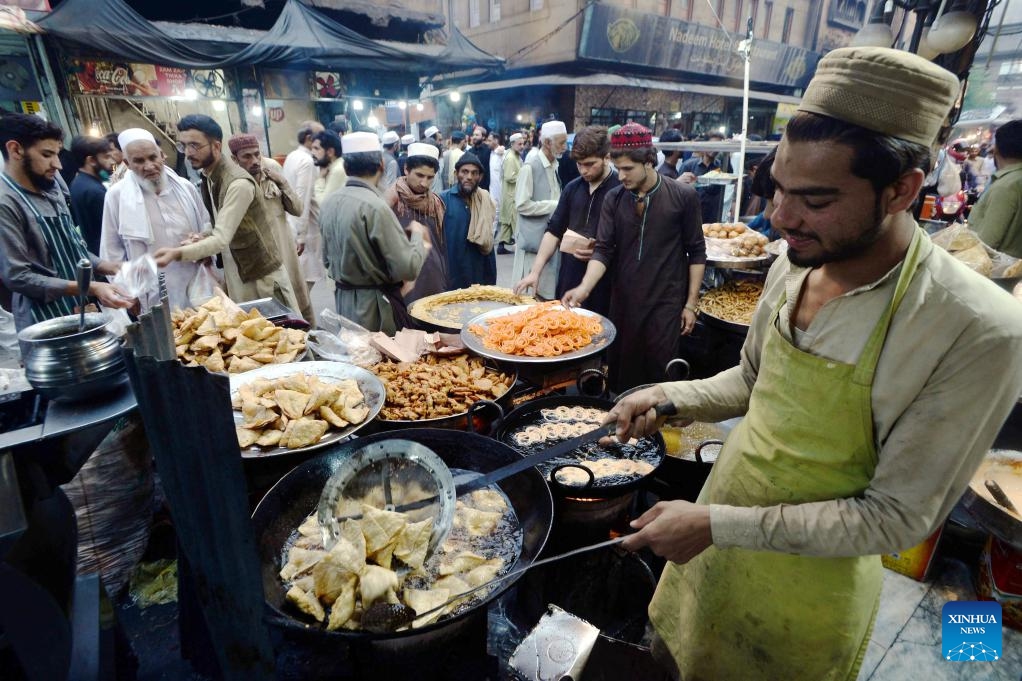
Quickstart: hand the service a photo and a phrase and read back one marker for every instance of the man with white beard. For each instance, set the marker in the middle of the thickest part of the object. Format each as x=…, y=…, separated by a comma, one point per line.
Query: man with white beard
x=151, y=208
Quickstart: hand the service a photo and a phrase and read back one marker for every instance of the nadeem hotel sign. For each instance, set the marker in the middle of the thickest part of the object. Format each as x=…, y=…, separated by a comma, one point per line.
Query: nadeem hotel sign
x=624, y=36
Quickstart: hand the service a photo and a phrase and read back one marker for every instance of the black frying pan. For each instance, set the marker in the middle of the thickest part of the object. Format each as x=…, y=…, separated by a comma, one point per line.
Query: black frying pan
x=531, y=413
x=297, y=494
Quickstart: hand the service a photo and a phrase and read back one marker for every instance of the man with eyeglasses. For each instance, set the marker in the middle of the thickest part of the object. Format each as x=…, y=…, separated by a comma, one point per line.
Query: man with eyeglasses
x=651, y=238
x=242, y=231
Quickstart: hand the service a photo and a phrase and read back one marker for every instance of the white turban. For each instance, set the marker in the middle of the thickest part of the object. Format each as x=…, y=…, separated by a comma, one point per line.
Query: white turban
x=551, y=128
x=360, y=142
x=515, y=137
x=134, y=135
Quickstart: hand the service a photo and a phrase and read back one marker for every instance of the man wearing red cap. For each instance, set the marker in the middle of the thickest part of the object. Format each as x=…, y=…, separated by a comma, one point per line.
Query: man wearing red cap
x=281, y=201
x=650, y=237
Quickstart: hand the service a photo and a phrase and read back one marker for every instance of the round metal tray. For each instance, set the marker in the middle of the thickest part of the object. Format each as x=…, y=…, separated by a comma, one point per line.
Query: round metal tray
x=454, y=315
x=740, y=263
x=599, y=343
x=371, y=386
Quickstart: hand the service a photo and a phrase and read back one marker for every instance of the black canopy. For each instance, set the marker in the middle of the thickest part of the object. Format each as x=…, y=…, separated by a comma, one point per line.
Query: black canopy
x=461, y=53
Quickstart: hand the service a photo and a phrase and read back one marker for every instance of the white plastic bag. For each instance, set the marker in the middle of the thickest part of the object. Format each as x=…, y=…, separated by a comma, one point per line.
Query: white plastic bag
x=139, y=278
x=10, y=351
x=341, y=340
x=203, y=285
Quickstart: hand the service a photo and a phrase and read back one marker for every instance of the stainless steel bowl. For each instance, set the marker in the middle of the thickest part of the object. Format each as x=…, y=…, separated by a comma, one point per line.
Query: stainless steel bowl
x=65, y=364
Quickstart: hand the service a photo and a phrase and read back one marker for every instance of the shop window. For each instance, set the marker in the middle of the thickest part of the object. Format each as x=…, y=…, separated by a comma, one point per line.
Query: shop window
x=665, y=8
x=739, y=19
x=690, y=9
x=609, y=117
x=789, y=18
x=473, y=13
x=767, y=19
x=1010, y=68
x=494, y=11
x=535, y=5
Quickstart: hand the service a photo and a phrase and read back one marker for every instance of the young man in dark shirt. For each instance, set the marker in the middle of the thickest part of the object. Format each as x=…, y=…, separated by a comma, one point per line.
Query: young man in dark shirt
x=579, y=210
x=94, y=158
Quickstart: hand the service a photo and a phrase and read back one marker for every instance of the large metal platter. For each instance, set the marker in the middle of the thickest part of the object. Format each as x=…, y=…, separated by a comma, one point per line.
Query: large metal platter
x=599, y=343
x=740, y=263
x=370, y=385
x=1004, y=466
x=453, y=315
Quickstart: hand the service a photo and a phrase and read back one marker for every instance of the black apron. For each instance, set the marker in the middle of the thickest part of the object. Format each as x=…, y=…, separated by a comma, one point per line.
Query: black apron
x=66, y=247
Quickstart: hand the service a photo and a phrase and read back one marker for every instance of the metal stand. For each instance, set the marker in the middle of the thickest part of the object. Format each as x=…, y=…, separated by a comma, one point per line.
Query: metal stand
x=187, y=414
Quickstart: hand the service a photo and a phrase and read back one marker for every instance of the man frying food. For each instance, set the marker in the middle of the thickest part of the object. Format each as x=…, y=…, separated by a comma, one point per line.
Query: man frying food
x=875, y=375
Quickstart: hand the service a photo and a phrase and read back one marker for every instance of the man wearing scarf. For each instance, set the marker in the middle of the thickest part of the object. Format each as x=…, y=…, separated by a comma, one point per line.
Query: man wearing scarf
x=468, y=227
x=281, y=201
x=650, y=237
x=152, y=208
x=413, y=201
x=40, y=246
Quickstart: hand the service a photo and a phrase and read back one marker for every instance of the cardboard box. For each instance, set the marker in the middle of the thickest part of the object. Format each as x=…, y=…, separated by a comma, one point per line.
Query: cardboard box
x=573, y=241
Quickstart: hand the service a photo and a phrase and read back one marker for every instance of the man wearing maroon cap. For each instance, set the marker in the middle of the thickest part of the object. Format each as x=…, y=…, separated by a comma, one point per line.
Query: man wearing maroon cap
x=281, y=201
x=650, y=237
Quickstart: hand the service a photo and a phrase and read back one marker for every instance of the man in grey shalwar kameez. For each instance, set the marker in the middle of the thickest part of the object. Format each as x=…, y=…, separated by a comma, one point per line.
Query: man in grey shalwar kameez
x=365, y=250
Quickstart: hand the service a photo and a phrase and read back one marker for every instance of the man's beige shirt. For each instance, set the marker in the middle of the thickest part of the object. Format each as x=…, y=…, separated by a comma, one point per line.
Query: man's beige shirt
x=949, y=374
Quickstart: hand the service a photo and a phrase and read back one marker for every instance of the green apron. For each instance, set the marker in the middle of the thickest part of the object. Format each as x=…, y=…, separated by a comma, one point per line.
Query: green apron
x=808, y=436
x=66, y=247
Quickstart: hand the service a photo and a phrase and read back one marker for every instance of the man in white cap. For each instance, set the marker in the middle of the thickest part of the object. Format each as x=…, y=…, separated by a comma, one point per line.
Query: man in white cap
x=866, y=384
x=365, y=249
x=413, y=201
x=150, y=209
x=432, y=136
x=536, y=194
x=390, y=140
x=508, y=215
x=406, y=141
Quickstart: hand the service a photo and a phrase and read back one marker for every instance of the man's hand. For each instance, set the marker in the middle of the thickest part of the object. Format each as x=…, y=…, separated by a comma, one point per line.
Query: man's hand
x=583, y=254
x=529, y=281
x=165, y=256
x=192, y=238
x=635, y=415
x=688, y=321
x=687, y=178
x=110, y=296
x=575, y=296
x=675, y=530
x=416, y=227
x=275, y=176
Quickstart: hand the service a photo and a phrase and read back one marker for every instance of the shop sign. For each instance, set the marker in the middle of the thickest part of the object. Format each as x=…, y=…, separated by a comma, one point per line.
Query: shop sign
x=129, y=79
x=620, y=35
x=31, y=107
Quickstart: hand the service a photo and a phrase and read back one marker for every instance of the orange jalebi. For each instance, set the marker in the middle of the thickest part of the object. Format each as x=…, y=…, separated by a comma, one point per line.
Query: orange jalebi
x=543, y=330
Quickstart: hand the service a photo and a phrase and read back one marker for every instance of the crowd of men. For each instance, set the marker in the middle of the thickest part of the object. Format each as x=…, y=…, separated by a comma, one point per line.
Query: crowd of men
x=390, y=220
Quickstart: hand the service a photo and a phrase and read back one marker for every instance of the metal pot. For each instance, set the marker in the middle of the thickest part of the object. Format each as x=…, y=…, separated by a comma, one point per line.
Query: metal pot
x=67, y=365
x=531, y=413
x=297, y=495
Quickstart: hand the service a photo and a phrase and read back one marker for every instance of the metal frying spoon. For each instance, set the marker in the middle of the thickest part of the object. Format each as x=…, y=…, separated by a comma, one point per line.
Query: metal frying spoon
x=383, y=618
x=83, y=277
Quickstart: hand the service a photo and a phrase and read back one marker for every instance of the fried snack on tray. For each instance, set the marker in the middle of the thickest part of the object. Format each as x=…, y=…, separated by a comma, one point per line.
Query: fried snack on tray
x=231, y=340
x=296, y=411
x=434, y=309
x=434, y=387
x=542, y=330
x=734, y=302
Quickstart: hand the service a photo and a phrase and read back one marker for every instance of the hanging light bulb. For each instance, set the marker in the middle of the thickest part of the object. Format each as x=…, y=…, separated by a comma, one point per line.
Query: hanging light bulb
x=876, y=33
x=373, y=121
x=257, y=111
x=455, y=96
x=419, y=107
x=191, y=93
x=952, y=31
x=402, y=105
x=357, y=105
x=219, y=105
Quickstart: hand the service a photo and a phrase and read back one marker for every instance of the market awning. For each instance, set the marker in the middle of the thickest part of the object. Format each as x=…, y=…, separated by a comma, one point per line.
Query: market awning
x=615, y=80
x=461, y=53
x=302, y=36
x=112, y=26
x=381, y=13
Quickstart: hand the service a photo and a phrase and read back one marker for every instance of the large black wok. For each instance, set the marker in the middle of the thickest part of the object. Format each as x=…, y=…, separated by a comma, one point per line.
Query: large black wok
x=297, y=494
x=531, y=413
